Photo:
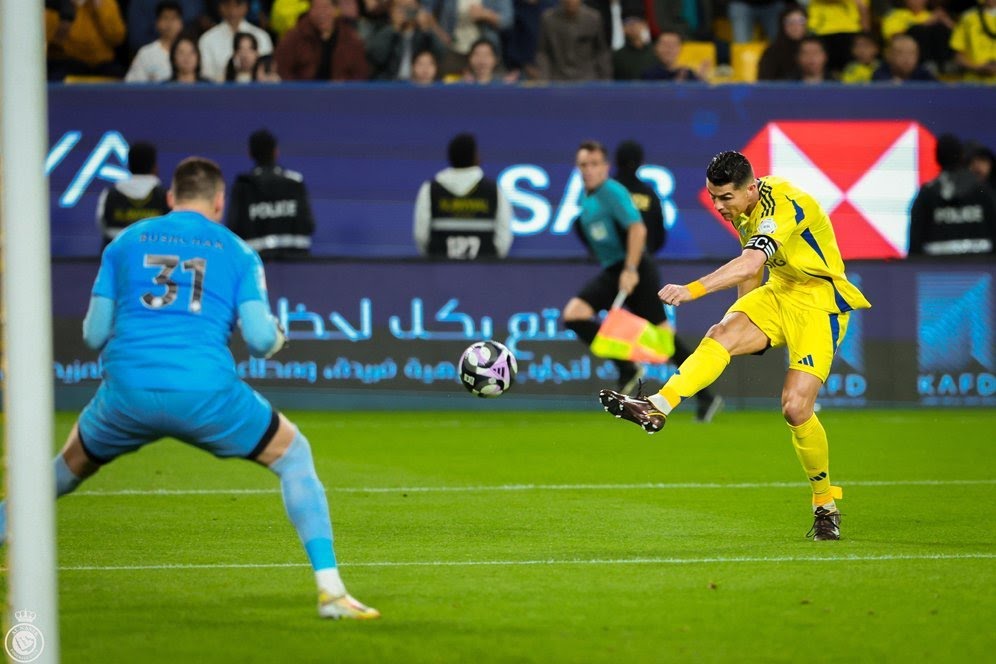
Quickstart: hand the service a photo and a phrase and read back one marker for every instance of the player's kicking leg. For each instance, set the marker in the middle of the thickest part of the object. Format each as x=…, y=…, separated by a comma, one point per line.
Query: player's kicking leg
x=71, y=466
x=736, y=334
x=288, y=454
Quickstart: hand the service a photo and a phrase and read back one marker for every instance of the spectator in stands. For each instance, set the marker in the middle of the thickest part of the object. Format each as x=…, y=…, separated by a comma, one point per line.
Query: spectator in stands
x=745, y=14
x=953, y=214
x=323, y=46
x=137, y=197
x=692, y=18
x=483, y=67
x=141, y=16
x=667, y=49
x=425, y=68
x=930, y=27
x=373, y=15
x=636, y=55
x=613, y=13
x=778, y=62
x=411, y=29
x=151, y=63
x=836, y=22
x=572, y=44
x=269, y=206
x=83, y=44
x=900, y=66
x=522, y=39
x=864, y=59
x=974, y=43
x=466, y=21
x=185, y=60
x=982, y=163
x=812, y=61
x=461, y=214
x=216, y=44
x=246, y=64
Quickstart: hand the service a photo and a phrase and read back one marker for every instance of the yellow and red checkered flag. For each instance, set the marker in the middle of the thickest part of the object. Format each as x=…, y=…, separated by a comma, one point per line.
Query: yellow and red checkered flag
x=625, y=336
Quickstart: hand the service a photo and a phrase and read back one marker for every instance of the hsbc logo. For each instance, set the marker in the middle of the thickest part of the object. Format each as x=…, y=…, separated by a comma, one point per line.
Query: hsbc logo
x=865, y=174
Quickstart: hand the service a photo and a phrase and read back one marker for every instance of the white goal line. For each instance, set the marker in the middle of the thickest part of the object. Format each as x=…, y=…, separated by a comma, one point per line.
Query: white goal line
x=548, y=562
x=530, y=487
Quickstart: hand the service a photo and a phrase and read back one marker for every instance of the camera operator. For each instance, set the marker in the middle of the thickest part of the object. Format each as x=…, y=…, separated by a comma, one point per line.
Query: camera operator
x=411, y=30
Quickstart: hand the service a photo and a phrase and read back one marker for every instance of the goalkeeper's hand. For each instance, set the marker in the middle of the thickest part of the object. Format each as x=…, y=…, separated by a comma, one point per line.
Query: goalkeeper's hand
x=281, y=339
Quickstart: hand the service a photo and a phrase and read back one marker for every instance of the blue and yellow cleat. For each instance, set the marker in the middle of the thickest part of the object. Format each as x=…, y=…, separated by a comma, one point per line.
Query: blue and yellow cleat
x=344, y=607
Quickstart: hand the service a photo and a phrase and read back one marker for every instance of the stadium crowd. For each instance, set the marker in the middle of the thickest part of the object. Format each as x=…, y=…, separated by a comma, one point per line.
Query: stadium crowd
x=509, y=41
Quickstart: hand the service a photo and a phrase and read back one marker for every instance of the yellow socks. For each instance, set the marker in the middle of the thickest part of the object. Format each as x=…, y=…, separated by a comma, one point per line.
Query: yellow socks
x=810, y=442
x=697, y=372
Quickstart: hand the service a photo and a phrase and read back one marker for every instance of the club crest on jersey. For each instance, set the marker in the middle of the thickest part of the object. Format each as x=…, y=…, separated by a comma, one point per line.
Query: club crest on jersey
x=767, y=226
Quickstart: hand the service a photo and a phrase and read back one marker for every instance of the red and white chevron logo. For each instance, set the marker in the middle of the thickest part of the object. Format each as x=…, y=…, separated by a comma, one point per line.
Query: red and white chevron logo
x=864, y=173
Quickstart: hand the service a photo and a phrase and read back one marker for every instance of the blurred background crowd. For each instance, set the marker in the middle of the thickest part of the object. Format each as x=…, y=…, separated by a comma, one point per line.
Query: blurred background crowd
x=501, y=42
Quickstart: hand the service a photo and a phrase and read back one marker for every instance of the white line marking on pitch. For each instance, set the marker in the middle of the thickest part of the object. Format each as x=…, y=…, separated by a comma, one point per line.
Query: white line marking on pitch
x=492, y=563
x=528, y=487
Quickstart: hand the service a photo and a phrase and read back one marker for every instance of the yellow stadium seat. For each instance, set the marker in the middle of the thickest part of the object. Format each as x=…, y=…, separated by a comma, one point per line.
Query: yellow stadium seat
x=744, y=58
x=74, y=79
x=695, y=54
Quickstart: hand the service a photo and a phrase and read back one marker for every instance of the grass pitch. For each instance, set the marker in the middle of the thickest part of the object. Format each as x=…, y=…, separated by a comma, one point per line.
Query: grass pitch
x=546, y=537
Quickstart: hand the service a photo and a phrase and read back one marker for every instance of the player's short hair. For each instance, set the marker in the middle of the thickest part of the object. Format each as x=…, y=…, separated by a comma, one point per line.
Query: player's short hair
x=629, y=156
x=594, y=146
x=949, y=152
x=263, y=147
x=168, y=5
x=141, y=158
x=462, y=151
x=197, y=178
x=730, y=167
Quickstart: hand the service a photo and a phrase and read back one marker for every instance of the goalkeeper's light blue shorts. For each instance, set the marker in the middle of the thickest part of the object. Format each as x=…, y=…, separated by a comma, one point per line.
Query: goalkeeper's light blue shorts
x=235, y=422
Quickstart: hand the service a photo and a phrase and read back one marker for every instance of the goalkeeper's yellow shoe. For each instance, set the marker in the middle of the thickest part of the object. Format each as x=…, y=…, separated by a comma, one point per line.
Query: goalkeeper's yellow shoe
x=344, y=607
x=635, y=409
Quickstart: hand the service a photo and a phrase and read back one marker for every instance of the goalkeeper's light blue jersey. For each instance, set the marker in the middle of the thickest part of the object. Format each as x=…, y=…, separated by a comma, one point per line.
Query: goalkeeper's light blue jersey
x=177, y=282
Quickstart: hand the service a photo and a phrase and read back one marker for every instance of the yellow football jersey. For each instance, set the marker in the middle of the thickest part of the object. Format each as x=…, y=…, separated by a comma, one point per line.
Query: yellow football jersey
x=796, y=235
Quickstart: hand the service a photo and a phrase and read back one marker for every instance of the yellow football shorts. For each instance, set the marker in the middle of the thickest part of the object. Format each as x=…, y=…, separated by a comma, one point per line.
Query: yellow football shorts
x=811, y=335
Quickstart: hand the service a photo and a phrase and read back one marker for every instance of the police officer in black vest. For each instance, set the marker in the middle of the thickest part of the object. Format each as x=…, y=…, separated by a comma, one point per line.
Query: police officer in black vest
x=955, y=213
x=460, y=214
x=135, y=198
x=269, y=206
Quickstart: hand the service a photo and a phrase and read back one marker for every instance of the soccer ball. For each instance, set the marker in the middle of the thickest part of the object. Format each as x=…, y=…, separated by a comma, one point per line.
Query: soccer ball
x=487, y=369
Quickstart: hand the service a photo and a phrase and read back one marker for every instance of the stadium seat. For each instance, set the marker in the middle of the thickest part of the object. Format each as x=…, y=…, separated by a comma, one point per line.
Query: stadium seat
x=744, y=58
x=696, y=53
x=75, y=79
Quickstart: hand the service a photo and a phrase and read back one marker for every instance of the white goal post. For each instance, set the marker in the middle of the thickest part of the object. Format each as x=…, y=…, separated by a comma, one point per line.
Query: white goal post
x=27, y=336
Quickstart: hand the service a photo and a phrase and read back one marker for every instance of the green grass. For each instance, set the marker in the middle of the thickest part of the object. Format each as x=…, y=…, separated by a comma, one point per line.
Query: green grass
x=585, y=566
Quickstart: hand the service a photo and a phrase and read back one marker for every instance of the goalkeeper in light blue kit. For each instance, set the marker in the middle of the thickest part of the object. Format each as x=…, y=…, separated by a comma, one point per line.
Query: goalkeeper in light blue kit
x=166, y=299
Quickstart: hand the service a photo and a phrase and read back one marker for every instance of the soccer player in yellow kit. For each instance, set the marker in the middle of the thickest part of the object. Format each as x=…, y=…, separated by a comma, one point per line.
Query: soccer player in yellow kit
x=804, y=305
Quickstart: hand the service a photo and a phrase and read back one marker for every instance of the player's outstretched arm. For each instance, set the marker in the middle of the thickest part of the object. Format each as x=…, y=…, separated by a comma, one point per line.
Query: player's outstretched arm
x=742, y=268
x=99, y=322
x=260, y=329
